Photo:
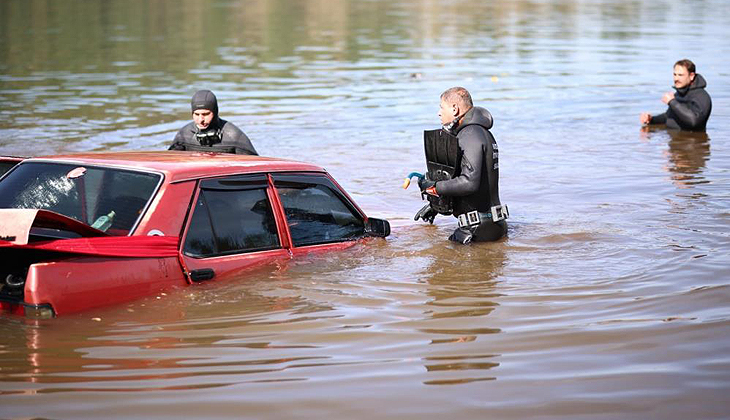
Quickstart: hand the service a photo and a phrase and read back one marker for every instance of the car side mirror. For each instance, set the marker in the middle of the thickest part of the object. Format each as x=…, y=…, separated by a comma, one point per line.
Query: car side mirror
x=377, y=227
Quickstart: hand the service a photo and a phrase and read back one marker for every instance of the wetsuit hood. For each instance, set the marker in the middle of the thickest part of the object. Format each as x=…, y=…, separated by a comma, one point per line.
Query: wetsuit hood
x=204, y=99
x=698, y=83
x=476, y=116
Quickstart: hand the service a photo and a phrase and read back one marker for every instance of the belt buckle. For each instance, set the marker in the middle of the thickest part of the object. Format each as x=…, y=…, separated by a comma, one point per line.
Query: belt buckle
x=500, y=212
x=469, y=219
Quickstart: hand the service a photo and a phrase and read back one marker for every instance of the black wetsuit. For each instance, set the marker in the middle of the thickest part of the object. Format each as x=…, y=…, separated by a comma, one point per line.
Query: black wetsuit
x=477, y=185
x=220, y=136
x=690, y=109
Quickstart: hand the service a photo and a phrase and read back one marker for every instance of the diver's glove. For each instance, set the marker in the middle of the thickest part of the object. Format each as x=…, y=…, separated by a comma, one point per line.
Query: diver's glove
x=424, y=183
x=427, y=213
x=427, y=186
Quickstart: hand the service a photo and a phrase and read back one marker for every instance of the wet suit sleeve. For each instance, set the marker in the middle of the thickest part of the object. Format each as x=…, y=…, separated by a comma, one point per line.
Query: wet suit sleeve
x=689, y=113
x=178, y=143
x=467, y=182
x=659, y=119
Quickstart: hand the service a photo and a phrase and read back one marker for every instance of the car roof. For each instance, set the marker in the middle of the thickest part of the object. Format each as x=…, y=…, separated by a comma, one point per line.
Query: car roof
x=182, y=165
x=5, y=158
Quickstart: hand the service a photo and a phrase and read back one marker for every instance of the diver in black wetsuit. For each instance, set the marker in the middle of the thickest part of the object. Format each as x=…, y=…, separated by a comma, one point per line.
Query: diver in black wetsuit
x=209, y=133
x=475, y=188
x=690, y=107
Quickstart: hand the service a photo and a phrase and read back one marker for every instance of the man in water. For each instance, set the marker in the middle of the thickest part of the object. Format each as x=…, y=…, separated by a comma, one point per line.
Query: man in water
x=475, y=190
x=690, y=107
x=208, y=132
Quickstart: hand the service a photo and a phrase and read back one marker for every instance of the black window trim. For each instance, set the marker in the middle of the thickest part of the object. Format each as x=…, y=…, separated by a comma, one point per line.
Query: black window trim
x=236, y=182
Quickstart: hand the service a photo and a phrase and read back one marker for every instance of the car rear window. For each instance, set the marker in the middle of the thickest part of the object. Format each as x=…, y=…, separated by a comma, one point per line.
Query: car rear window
x=109, y=199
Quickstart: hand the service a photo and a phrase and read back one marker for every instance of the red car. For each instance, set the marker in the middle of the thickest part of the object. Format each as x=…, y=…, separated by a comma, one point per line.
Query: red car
x=89, y=230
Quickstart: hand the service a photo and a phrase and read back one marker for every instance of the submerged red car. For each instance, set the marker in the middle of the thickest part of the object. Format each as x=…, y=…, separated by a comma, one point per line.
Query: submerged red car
x=90, y=230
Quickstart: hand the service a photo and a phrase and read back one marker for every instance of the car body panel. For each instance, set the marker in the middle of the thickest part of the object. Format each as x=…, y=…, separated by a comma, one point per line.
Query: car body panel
x=167, y=211
x=74, y=284
x=227, y=267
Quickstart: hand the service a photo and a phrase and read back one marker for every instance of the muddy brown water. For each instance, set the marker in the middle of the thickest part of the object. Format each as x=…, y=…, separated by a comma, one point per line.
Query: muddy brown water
x=609, y=299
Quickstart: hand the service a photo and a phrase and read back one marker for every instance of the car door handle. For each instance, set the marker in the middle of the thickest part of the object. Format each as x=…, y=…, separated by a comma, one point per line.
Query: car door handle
x=202, y=274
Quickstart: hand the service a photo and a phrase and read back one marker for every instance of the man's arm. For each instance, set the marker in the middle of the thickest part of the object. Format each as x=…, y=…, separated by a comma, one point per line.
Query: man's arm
x=178, y=143
x=689, y=113
x=659, y=119
x=471, y=165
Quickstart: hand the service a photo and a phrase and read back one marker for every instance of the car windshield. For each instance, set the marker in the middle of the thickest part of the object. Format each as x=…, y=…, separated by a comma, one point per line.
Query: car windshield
x=109, y=199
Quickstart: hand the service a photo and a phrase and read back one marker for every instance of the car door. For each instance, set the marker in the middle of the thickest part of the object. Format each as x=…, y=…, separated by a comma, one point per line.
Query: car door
x=232, y=227
x=318, y=214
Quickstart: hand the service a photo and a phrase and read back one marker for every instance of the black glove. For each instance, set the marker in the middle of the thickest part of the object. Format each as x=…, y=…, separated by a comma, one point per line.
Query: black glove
x=426, y=213
x=424, y=183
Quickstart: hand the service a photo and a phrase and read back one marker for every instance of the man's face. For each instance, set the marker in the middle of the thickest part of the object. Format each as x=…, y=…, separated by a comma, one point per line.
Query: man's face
x=682, y=78
x=447, y=112
x=202, y=118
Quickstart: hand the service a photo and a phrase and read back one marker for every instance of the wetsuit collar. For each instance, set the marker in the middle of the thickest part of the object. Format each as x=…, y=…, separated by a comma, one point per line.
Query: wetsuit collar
x=476, y=116
x=453, y=125
x=215, y=125
x=211, y=135
x=683, y=91
x=698, y=83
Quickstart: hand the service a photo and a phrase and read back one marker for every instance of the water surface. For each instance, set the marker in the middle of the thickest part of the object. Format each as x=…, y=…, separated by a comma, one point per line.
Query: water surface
x=609, y=299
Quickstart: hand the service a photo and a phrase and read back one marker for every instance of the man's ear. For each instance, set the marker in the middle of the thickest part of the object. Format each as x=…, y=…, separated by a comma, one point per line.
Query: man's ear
x=455, y=110
x=691, y=77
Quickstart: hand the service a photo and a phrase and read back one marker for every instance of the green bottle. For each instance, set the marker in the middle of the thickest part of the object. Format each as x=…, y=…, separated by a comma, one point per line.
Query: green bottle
x=104, y=222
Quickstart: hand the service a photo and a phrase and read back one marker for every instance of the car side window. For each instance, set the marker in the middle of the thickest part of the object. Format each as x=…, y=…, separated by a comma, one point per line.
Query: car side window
x=231, y=221
x=316, y=213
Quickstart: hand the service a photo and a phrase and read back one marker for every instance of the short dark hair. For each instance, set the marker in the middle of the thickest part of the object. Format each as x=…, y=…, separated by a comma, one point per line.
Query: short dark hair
x=688, y=64
x=458, y=95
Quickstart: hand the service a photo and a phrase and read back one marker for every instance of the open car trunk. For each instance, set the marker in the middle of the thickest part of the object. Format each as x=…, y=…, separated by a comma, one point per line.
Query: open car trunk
x=55, y=263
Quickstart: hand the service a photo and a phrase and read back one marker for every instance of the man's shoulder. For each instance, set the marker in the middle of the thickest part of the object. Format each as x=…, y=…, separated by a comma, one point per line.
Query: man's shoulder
x=704, y=92
x=696, y=94
x=186, y=132
x=474, y=132
x=189, y=127
x=231, y=130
